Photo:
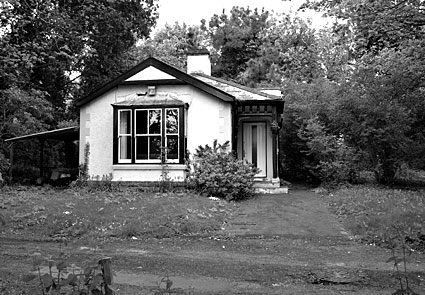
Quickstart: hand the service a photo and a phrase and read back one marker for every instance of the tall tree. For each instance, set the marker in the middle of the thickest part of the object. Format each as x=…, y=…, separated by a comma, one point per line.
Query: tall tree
x=171, y=44
x=236, y=39
x=374, y=25
x=44, y=44
x=287, y=49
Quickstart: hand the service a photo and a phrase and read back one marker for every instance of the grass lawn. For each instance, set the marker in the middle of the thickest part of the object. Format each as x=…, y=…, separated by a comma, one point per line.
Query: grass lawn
x=47, y=213
x=382, y=216
x=158, y=236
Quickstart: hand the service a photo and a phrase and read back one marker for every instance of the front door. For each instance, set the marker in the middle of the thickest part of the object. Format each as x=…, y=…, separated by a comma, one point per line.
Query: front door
x=254, y=145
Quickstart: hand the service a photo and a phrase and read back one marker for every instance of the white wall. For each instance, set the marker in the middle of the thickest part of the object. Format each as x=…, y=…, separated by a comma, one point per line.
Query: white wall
x=208, y=118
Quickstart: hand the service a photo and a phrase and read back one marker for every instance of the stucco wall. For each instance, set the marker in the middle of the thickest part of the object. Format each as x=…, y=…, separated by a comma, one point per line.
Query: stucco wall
x=208, y=118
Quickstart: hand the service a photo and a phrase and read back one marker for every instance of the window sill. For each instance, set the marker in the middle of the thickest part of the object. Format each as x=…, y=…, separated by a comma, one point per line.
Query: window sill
x=169, y=166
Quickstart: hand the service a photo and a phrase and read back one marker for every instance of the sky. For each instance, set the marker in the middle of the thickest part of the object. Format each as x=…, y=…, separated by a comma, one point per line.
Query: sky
x=192, y=11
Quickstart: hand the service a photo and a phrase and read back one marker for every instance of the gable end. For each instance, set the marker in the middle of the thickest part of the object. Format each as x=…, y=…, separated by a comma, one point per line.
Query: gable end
x=180, y=78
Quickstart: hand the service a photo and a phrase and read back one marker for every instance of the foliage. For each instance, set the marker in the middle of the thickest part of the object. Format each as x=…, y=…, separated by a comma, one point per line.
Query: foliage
x=4, y=164
x=377, y=110
x=286, y=50
x=53, y=51
x=305, y=103
x=65, y=278
x=235, y=39
x=83, y=169
x=171, y=44
x=371, y=26
x=335, y=161
x=219, y=174
x=44, y=43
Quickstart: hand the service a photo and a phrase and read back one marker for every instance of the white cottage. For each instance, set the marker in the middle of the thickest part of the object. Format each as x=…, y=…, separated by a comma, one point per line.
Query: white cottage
x=156, y=113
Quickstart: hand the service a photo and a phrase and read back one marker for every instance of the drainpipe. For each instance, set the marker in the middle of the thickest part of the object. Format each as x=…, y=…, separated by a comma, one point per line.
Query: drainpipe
x=234, y=127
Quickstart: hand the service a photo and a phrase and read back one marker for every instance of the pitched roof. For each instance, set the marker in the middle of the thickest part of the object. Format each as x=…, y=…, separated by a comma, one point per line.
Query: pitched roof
x=240, y=92
x=182, y=76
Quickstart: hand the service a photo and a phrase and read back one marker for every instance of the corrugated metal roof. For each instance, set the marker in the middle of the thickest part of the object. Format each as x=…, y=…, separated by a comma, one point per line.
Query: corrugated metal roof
x=69, y=133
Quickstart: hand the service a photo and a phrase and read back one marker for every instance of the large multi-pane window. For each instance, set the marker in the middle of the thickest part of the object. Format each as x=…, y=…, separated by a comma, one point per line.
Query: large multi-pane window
x=149, y=135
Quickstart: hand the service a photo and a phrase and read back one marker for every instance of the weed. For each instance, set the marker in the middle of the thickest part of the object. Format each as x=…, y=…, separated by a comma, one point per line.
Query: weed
x=165, y=184
x=64, y=278
x=83, y=176
x=400, y=253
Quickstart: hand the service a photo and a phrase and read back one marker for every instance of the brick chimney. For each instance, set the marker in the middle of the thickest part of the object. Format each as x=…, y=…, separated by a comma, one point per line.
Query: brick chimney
x=198, y=61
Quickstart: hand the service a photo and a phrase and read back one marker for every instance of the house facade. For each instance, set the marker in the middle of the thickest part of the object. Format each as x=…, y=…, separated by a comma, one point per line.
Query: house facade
x=155, y=115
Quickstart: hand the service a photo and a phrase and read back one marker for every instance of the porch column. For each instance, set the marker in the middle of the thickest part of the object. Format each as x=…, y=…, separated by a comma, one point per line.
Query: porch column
x=275, y=152
x=41, y=140
x=11, y=148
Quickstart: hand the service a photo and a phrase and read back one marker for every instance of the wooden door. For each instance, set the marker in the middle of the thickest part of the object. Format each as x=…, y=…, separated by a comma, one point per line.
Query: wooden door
x=255, y=145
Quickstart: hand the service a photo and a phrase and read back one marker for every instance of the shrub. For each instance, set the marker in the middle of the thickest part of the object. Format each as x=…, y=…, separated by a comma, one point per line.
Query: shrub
x=335, y=161
x=218, y=173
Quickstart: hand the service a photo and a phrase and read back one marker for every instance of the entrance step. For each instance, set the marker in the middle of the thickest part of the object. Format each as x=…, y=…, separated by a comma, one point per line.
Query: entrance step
x=271, y=190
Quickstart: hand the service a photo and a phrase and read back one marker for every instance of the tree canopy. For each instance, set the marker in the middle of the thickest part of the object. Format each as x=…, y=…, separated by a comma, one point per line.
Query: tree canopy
x=354, y=92
x=53, y=51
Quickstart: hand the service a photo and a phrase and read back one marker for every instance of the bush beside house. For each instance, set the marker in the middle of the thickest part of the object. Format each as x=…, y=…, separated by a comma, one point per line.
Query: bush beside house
x=218, y=173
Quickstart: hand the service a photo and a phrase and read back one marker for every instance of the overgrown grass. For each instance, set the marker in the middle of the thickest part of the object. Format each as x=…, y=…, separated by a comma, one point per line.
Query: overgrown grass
x=49, y=213
x=382, y=215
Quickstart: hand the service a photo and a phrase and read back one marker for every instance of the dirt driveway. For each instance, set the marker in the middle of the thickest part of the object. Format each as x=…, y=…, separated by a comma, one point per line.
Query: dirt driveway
x=273, y=244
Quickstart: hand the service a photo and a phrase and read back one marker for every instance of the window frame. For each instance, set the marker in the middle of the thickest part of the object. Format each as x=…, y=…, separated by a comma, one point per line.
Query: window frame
x=148, y=135
x=120, y=135
x=179, y=133
x=133, y=109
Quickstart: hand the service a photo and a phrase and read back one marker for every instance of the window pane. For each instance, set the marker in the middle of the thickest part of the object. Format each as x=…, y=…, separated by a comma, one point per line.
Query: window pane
x=155, y=122
x=141, y=122
x=125, y=122
x=154, y=147
x=172, y=121
x=173, y=146
x=142, y=148
x=125, y=147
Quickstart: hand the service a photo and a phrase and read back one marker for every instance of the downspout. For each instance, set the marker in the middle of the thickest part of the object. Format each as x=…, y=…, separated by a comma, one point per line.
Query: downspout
x=234, y=128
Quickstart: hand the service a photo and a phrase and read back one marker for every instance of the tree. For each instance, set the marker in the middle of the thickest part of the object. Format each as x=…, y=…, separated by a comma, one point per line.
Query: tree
x=382, y=111
x=171, y=44
x=287, y=49
x=235, y=39
x=44, y=44
x=374, y=25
